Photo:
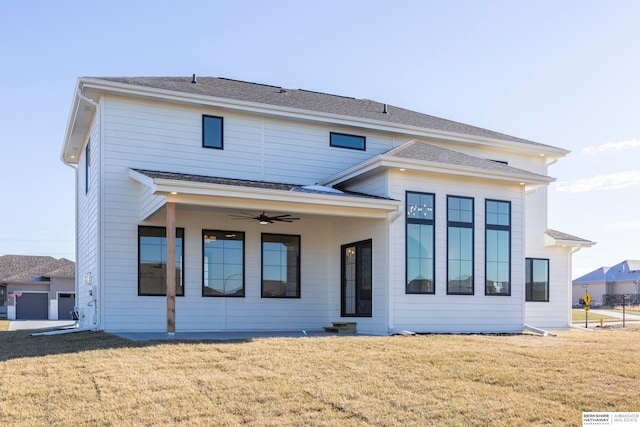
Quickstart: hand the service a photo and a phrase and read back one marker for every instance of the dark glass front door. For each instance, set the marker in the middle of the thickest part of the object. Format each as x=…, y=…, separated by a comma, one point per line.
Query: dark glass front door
x=356, y=279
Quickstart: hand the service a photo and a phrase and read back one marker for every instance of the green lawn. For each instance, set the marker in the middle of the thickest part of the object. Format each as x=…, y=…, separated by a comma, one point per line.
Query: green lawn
x=99, y=379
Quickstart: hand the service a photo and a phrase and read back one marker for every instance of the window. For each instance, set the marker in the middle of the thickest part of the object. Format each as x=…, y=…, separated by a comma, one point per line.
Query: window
x=343, y=140
x=222, y=263
x=459, y=245
x=498, y=248
x=212, y=132
x=357, y=283
x=280, y=266
x=87, y=167
x=2, y=297
x=152, y=261
x=420, y=243
x=537, y=279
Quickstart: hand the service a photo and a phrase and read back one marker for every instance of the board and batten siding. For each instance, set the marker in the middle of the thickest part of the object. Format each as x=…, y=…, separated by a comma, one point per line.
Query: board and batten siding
x=167, y=137
x=457, y=313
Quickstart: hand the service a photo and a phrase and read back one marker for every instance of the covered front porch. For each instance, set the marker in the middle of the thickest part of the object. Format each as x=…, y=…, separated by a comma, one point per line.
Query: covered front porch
x=239, y=268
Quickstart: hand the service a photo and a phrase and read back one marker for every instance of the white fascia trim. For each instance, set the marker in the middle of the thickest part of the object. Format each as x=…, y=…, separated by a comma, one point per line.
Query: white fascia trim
x=318, y=116
x=222, y=195
x=422, y=166
x=550, y=241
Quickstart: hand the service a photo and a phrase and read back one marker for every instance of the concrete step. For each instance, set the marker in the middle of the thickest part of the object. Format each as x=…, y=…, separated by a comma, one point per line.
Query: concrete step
x=342, y=327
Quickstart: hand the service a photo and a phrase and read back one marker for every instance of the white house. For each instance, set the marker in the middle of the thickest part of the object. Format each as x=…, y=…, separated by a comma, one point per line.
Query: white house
x=287, y=209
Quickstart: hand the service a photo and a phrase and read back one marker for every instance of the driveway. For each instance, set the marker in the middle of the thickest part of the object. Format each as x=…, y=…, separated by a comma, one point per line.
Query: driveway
x=615, y=314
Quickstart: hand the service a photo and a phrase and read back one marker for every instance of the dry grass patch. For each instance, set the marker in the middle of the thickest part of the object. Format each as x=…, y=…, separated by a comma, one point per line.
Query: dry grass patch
x=99, y=379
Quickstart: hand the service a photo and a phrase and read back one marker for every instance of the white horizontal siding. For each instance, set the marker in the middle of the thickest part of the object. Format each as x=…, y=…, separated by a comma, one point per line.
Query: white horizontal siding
x=458, y=313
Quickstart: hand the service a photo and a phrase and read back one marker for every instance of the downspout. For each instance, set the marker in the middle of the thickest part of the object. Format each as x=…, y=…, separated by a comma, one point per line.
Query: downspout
x=391, y=218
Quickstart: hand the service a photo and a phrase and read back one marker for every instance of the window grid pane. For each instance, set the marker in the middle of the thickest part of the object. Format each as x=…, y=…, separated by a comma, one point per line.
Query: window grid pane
x=460, y=245
x=280, y=266
x=498, y=248
x=152, y=261
x=223, y=263
x=420, y=243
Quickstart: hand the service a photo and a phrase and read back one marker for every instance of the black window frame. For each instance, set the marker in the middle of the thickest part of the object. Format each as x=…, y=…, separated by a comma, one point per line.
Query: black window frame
x=226, y=235
x=463, y=225
x=496, y=227
x=421, y=222
x=217, y=146
x=179, y=278
x=358, y=291
x=297, y=238
x=528, y=280
x=333, y=143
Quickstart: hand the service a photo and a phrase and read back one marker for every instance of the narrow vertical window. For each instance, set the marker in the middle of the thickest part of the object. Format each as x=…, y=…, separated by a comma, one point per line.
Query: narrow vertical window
x=87, y=167
x=280, y=266
x=537, y=279
x=497, y=247
x=459, y=245
x=420, y=243
x=222, y=263
x=357, y=280
x=152, y=261
x=212, y=132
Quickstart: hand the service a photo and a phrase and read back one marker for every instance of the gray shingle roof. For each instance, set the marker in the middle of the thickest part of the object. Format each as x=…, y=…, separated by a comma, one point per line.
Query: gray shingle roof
x=558, y=235
x=254, y=184
x=313, y=101
x=23, y=268
x=418, y=150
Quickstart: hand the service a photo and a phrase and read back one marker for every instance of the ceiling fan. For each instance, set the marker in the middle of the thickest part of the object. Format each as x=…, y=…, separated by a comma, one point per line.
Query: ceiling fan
x=263, y=218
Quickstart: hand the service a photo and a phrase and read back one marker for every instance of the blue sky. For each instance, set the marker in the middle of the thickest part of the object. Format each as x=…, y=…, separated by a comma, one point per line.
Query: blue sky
x=563, y=73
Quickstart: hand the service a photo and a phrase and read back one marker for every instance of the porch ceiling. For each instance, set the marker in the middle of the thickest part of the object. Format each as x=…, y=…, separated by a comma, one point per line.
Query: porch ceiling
x=224, y=193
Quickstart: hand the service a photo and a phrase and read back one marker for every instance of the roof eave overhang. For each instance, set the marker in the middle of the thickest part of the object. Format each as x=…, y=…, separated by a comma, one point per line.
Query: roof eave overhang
x=385, y=162
x=551, y=241
x=94, y=87
x=241, y=197
x=78, y=125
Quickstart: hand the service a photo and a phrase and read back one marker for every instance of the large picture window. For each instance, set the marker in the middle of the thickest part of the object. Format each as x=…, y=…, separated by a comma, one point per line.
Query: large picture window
x=498, y=247
x=537, y=279
x=420, y=241
x=212, y=132
x=152, y=261
x=460, y=245
x=280, y=266
x=222, y=263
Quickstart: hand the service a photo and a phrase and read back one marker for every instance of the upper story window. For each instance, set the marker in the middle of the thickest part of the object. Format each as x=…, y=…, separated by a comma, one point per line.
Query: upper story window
x=152, y=261
x=460, y=245
x=212, y=132
x=498, y=247
x=87, y=167
x=222, y=263
x=420, y=235
x=344, y=140
x=537, y=279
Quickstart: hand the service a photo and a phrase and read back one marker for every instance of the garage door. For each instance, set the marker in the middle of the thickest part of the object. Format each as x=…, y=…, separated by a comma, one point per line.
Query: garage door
x=32, y=306
x=66, y=302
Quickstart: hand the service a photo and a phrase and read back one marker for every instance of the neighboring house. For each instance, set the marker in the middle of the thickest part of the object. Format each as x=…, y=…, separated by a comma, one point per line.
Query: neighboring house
x=607, y=285
x=36, y=287
x=287, y=209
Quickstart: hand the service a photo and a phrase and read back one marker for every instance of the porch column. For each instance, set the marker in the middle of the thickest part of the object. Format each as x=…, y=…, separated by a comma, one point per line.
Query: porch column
x=171, y=268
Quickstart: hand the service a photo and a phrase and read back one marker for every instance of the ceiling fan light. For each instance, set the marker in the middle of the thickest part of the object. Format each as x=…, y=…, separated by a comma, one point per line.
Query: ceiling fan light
x=263, y=222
